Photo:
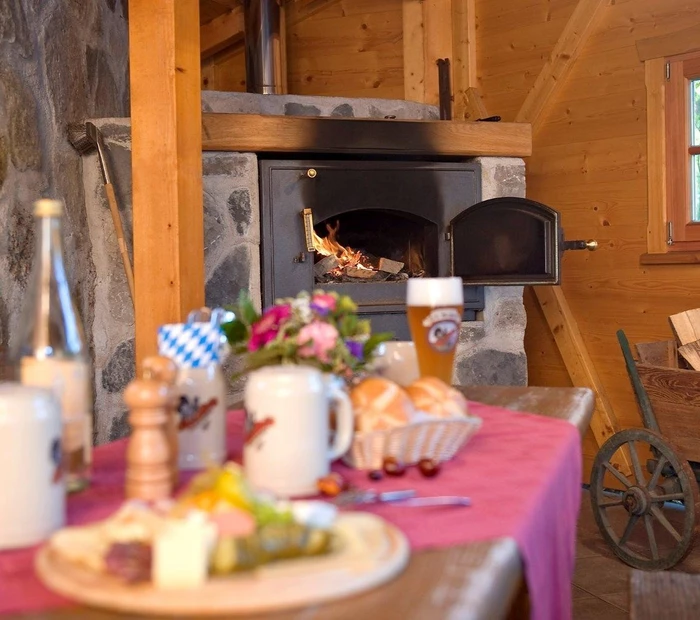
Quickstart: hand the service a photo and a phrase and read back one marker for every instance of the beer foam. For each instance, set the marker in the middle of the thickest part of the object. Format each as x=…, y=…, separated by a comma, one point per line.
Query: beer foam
x=434, y=292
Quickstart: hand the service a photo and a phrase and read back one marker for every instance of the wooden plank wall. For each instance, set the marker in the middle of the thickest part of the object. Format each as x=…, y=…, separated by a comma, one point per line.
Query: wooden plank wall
x=352, y=48
x=589, y=162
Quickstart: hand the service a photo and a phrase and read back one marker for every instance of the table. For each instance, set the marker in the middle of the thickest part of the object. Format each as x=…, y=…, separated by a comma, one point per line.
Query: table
x=481, y=580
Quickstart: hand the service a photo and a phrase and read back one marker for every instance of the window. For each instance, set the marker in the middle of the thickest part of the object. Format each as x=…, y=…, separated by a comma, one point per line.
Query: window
x=682, y=99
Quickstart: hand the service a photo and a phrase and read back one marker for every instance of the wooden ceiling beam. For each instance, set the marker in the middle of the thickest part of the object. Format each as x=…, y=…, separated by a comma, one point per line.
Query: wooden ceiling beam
x=221, y=32
x=563, y=56
x=672, y=44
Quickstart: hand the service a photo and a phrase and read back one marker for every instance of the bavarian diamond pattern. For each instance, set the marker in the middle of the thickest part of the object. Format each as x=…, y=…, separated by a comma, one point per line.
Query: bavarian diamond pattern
x=190, y=345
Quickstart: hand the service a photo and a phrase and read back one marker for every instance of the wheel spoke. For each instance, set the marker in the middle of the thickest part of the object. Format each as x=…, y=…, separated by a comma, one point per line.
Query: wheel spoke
x=628, y=529
x=657, y=499
x=636, y=465
x=661, y=518
x=649, y=524
x=620, y=476
x=611, y=503
x=657, y=472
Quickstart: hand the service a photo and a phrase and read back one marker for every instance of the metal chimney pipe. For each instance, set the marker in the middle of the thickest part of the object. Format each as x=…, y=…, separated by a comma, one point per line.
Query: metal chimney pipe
x=265, y=67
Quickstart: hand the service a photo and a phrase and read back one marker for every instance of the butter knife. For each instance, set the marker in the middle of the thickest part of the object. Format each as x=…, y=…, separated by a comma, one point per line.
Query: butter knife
x=405, y=497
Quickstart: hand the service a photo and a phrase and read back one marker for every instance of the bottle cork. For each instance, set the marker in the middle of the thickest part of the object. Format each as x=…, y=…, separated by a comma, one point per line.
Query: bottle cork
x=148, y=474
x=163, y=369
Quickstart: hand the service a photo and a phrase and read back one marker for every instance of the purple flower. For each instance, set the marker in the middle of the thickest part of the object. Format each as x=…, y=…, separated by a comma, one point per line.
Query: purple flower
x=323, y=304
x=266, y=328
x=356, y=349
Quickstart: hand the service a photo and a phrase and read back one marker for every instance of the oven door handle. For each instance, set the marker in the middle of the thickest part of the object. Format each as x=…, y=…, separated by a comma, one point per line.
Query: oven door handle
x=308, y=216
x=579, y=244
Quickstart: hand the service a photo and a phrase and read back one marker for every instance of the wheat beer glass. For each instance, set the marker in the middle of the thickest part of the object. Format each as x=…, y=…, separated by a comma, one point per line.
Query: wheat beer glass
x=434, y=308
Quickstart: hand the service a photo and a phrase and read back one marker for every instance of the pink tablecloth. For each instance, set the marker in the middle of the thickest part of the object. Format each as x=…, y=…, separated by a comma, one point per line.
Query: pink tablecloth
x=523, y=473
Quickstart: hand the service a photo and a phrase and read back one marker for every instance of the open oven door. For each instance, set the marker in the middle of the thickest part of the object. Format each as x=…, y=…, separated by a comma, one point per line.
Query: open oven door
x=509, y=242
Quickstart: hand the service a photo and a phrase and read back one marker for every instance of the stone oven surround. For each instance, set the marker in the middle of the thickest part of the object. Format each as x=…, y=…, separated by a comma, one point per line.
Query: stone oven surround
x=490, y=349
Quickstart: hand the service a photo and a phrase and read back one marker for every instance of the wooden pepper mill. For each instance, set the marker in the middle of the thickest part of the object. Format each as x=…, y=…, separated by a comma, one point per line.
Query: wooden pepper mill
x=163, y=369
x=147, y=455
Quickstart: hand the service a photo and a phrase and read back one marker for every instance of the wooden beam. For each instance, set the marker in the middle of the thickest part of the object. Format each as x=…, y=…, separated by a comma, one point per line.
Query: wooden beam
x=579, y=365
x=221, y=32
x=413, y=50
x=557, y=67
x=655, y=79
x=672, y=44
x=289, y=134
x=464, y=61
x=166, y=162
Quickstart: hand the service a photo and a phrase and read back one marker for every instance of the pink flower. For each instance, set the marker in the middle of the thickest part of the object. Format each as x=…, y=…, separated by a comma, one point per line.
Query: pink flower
x=266, y=328
x=323, y=304
x=317, y=340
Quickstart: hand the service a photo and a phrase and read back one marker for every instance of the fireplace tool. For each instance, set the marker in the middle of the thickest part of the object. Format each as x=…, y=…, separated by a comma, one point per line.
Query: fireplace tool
x=85, y=139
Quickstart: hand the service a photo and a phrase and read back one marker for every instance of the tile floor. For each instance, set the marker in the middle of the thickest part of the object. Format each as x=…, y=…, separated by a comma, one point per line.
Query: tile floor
x=601, y=581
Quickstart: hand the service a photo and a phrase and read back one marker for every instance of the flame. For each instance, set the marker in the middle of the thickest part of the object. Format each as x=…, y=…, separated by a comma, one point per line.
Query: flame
x=329, y=246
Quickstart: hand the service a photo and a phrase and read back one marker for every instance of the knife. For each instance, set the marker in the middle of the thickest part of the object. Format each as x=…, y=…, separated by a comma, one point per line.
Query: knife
x=406, y=497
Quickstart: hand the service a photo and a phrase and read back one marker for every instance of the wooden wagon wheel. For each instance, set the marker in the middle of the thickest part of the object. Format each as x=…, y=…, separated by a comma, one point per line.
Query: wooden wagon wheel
x=644, y=500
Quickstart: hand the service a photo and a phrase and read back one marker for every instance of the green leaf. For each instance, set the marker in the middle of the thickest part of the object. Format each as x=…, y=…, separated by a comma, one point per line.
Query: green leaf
x=235, y=332
x=246, y=310
x=373, y=341
x=347, y=325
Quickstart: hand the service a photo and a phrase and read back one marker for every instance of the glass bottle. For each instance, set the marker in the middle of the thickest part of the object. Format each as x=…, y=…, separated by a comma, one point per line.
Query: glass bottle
x=50, y=350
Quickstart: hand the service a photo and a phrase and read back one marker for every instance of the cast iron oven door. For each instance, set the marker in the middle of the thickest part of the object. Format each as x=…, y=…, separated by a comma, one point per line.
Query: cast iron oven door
x=509, y=241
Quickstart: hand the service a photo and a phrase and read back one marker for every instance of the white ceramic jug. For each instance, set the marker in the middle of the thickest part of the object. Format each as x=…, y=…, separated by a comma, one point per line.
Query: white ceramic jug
x=286, y=446
x=32, y=489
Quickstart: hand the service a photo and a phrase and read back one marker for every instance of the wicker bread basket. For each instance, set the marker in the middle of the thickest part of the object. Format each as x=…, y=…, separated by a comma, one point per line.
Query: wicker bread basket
x=429, y=438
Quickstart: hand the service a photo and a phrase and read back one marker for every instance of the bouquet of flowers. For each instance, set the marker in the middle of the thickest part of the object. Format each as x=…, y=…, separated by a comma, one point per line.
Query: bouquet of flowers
x=318, y=329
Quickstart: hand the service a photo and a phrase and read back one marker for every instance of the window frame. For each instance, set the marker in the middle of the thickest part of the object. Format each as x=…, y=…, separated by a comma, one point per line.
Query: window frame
x=683, y=232
x=656, y=53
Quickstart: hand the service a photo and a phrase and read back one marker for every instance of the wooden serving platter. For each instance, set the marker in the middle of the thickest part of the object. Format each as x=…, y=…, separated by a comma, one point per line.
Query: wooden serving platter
x=368, y=552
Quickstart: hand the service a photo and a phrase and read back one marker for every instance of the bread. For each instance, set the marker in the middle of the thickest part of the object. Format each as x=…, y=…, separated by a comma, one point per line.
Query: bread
x=436, y=398
x=380, y=404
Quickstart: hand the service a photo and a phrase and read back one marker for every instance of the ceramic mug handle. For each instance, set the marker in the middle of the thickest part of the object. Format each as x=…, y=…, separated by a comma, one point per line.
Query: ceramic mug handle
x=345, y=421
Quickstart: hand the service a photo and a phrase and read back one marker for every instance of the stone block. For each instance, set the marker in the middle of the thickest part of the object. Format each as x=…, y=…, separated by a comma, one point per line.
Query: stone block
x=240, y=209
x=303, y=105
x=343, y=110
x=299, y=109
x=492, y=367
x=120, y=369
x=502, y=176
x=119, y=426
x=13, y=26
x=23, y=121
x=232, y=275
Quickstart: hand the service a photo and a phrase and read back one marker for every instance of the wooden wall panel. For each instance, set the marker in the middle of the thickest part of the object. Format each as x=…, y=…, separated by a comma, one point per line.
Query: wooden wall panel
x=350, y=48
x=589, y=162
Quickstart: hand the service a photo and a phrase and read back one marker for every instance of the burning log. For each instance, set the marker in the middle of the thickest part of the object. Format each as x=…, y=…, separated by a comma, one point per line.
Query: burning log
x=364, y=274
x=390, y=266
x=326, y=264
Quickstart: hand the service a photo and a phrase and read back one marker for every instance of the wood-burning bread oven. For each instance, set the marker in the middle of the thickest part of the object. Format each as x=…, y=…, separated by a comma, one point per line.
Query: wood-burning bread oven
x=364, y=227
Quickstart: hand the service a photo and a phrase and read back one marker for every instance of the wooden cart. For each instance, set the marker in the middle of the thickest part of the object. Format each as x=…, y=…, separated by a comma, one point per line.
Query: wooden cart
x=649, y=517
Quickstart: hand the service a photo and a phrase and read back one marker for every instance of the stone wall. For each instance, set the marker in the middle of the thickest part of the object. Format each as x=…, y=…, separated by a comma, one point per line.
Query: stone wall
x=61, y=61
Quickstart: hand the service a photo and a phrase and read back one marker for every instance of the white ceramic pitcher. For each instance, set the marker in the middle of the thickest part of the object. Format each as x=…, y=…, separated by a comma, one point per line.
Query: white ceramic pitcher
x=286, y=446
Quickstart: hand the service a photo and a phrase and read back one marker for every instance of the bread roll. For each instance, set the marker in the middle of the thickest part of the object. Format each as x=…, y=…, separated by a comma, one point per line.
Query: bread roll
x=435, y=397
x=380, y=404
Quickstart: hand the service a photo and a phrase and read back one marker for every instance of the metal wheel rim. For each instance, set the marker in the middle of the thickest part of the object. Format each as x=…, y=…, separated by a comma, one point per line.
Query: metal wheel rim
x=644, y=503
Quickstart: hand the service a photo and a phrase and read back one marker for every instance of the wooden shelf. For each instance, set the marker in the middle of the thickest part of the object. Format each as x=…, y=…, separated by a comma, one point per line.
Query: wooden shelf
x=299, y=134
x=670, y=258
